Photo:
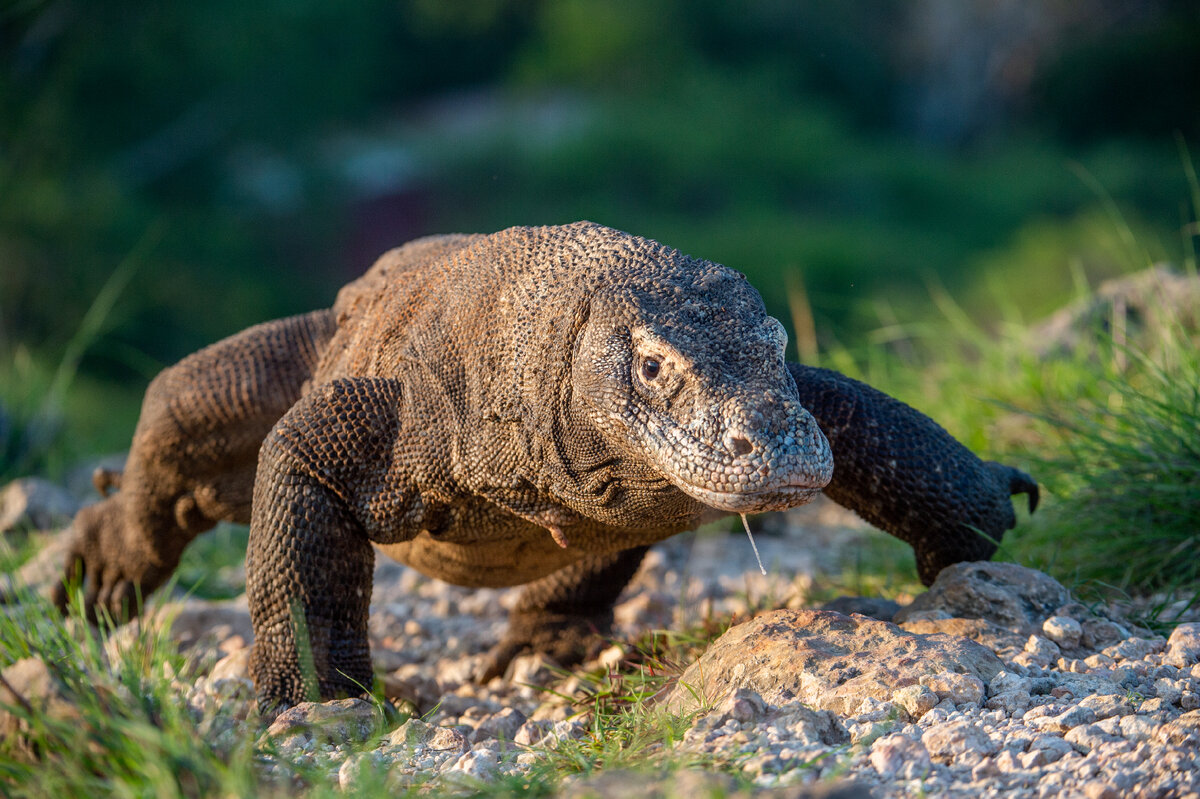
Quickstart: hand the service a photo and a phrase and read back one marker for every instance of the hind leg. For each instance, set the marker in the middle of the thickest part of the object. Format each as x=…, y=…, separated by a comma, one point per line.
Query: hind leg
x=193, y=457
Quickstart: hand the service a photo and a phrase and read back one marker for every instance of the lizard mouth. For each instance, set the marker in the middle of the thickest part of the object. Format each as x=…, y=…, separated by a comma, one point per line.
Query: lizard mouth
x=761, y=501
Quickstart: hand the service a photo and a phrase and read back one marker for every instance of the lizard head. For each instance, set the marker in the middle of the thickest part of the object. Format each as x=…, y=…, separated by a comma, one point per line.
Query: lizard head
x=682, y=370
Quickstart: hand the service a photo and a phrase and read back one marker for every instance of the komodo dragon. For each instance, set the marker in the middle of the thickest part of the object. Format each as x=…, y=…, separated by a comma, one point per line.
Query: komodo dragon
x=535, y=406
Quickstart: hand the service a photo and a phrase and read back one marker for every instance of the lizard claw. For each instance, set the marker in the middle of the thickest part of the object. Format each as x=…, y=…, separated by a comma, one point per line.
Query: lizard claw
x=113, y=574
x=1018, y=482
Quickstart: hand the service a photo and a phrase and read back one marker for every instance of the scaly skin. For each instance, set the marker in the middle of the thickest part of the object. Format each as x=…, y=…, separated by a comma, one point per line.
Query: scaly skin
x=535, y=406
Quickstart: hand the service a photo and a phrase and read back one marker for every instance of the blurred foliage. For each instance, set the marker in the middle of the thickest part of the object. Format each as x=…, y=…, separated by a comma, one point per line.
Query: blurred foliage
x=274, y=148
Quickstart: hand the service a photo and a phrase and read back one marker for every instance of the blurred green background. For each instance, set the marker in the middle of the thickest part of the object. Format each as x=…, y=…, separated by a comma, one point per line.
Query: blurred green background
x=217, y=164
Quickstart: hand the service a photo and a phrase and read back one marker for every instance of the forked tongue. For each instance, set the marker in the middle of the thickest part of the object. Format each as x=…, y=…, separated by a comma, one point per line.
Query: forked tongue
x=750, y=535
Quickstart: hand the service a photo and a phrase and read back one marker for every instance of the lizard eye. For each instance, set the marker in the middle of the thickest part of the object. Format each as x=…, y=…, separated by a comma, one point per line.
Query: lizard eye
x=650, y=369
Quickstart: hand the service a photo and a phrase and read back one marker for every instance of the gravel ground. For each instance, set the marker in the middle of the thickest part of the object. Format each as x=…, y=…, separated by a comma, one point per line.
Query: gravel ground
x=1118, y=720
x=1124, y=721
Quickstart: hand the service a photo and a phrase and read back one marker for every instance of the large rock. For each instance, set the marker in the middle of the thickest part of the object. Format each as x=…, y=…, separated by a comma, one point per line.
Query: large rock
x=1136, y=310
x=32, y=503
x=824, y=659
x=1005, y=594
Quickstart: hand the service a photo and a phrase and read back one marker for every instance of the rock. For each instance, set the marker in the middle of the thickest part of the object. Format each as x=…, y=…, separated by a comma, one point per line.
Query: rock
x=824, y=659
x=872, y=607
x=352, y=768
x=958, y=688
x=234, y=666
x=1009, y=701
x=742, y=705
x=1063, y=630
x=1101, y=633
x=1068, y=719
x=417, y=733
x=915, y=700
x=900, y=757
x=1146, y=303
x=1183, y=647
x=993, y=636
x=1183, y=730
x=32, y=503
x=530, y=733
x=480, y=764
x=502, y=725
x=1086, y=737
x=808, y=727
x=29, y=687
x=339, y=721
x=1007, y=681
x=950, y=741
x=1107, y=706
x=1005, y=594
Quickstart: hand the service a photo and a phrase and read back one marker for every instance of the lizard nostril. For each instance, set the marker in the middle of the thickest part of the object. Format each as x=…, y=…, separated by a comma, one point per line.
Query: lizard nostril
x=740, y=446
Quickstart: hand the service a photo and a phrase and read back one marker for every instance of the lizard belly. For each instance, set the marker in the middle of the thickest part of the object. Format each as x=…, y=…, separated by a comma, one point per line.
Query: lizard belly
x=482, y=564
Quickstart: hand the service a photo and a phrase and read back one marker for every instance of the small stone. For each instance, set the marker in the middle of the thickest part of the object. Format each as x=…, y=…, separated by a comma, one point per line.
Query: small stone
x=1168, y=691
x=1086, y=737
x=1007, y=681
x=415, y=732
x=502, y=725
x=900, y=757
x=566, y=730
x=1184, y=730
x=1063, y=630
x=351, y=770
x=1069, y=719
x=1137, y=728
x=338, y=721
x=1189, y=700
x=1052, y=746
x=1105, y=706
x=1009, y=701
x=1101, y=633
x=958, y=688
x=742, y=705
x=234, y=666
x=949, y=741
x=1132, y=649
x=530, y=733
x=1183, y=646
x=1098, y=789
x=1043, y=650
x=481, y=764
x=915, y=700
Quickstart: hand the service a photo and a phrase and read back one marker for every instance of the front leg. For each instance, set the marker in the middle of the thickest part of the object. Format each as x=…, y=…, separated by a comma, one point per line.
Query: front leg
x=328, y=484
x=902, y=472
x=565, y=614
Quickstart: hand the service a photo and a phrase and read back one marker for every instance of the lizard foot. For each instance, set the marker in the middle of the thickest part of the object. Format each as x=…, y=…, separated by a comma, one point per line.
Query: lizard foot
x=567, y=639
x=115, y=575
